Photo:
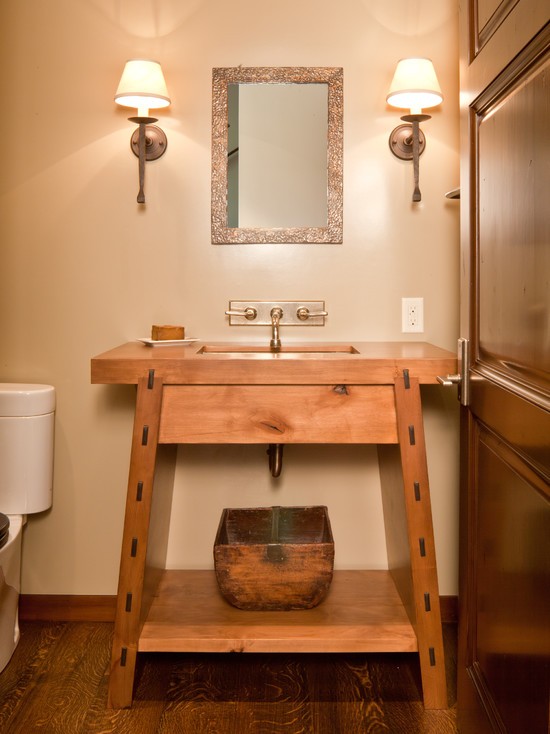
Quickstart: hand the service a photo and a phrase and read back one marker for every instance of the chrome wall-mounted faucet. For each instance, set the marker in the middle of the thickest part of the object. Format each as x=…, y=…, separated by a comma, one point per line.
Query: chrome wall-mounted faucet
x=275, y=315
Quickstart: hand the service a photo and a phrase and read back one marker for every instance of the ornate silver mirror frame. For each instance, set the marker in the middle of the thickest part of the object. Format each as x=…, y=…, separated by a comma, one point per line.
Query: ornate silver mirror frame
x=221, y=78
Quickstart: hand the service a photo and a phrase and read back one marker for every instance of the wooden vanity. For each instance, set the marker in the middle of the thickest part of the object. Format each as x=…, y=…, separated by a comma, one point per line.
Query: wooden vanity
x=324, y=393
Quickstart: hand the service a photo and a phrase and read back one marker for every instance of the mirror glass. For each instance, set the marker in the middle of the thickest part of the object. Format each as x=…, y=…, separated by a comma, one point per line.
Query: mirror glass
x=277, y=158
x=277, y=155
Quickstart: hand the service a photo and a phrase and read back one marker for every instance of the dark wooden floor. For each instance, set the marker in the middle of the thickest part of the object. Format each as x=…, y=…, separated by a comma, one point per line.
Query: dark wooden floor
x=57, y=680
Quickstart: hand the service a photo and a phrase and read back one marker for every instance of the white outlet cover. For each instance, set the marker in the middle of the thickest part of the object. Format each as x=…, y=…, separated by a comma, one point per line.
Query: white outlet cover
x=412, y=315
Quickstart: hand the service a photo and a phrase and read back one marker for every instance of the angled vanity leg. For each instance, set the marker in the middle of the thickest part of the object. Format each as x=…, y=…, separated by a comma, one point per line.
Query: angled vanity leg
x=408, y=520
x=134, y=542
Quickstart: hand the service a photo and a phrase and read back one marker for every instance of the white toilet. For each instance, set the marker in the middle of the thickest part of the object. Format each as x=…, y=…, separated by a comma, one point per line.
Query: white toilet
x=26, y=474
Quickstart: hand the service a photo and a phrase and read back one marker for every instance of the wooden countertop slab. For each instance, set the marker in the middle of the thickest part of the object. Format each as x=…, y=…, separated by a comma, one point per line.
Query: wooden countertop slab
x=375, y=363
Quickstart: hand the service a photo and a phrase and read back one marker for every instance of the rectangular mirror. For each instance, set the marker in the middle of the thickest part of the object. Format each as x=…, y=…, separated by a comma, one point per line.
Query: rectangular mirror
x=277, y=143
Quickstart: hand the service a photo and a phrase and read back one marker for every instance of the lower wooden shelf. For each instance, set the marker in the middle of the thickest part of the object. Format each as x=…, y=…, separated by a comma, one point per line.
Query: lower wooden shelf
x=362, y=613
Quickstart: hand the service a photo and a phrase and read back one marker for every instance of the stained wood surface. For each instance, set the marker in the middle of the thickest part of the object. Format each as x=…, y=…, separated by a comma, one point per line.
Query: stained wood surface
x=362, y=612
x=56, y=683
x=67, y=608
x=504, y=543
x=70, y=608
x=375, y=363
x=415, y=494
x=164, y=376
x=274, y=558
x=132, y=586
x=278, y=414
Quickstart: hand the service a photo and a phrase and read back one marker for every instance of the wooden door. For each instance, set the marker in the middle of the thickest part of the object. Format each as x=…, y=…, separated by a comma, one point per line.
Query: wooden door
x=504, y=638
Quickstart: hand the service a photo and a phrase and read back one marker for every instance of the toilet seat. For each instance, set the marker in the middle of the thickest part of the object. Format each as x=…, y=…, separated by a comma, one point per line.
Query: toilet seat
x=16, y=522
x=4, y=529
x=10, y=586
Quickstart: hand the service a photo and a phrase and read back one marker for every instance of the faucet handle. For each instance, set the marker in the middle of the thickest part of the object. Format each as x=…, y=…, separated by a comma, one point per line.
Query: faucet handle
x=304, y=313
x=249, y=313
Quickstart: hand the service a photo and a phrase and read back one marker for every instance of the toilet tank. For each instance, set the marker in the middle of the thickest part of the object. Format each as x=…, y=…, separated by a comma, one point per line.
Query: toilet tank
x=26, y=447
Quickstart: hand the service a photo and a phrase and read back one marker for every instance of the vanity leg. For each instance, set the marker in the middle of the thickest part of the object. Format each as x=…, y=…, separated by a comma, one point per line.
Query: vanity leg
x=128, y=620
x=408, y=521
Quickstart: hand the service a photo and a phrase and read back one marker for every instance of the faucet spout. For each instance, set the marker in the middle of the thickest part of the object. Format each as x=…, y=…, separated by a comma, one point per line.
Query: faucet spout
x=276, y=315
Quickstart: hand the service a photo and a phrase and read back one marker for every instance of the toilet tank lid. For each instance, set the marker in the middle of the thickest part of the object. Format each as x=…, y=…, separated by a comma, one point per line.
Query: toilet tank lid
x=18, y=399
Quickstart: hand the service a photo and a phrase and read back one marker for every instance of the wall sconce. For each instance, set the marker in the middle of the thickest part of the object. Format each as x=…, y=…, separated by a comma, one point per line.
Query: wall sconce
x=414, y=85
x=142, y=85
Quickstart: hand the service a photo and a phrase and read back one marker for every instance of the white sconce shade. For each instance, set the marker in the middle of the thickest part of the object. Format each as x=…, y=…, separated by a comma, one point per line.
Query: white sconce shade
x=142, y=85
x=414, y=85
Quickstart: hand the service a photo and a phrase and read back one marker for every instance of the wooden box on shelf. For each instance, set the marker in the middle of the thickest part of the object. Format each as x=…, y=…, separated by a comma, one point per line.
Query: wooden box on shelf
x=274, y=558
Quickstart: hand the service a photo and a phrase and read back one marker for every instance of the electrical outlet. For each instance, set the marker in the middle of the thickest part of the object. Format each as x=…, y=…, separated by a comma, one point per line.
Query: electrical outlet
x=412, y=315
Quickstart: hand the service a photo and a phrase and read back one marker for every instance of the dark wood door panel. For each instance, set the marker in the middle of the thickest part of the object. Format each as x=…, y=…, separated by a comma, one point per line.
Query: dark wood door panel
x=504, y=641
x=511, y=601
x=489, y=14
x=514, y=228
x=521, y=423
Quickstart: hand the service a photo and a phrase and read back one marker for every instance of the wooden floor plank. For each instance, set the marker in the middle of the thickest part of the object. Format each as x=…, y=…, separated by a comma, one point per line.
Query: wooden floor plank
x=153, y=674
x=36, y=646
x=241, y=694
x=400, y=693
x=57, y=682
x=343, y=695
x=66, y=682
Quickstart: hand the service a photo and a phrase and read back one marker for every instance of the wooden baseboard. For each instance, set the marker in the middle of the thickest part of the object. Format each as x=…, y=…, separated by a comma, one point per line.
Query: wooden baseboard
x=72, y=608
x=66, y=608
x=449, y=609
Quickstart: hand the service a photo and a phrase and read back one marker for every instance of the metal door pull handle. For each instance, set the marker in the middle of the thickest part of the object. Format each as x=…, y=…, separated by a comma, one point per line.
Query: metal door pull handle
x=449, y=380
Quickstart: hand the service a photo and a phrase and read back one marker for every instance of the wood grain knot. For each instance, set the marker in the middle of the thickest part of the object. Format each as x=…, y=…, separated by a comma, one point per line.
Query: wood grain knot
x=272, y=427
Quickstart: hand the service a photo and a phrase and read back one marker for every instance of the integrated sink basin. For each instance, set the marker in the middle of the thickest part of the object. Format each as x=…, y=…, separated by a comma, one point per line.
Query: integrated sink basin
x=292, y=349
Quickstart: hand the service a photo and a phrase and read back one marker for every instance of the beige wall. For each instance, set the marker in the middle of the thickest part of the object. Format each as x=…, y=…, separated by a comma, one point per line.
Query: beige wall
x=83, y=268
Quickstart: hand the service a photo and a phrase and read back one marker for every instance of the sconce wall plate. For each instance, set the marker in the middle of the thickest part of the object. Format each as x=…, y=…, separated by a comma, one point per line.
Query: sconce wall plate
x=401, y=142
x=155, y=141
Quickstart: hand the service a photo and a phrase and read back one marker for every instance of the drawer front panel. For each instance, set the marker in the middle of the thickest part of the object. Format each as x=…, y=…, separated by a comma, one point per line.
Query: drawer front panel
x=278, y=414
